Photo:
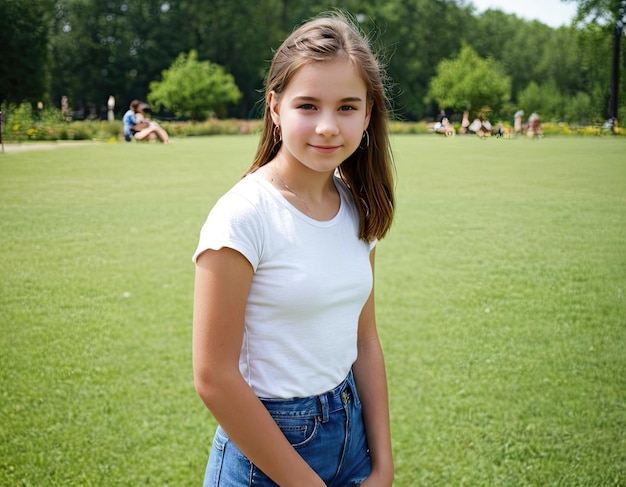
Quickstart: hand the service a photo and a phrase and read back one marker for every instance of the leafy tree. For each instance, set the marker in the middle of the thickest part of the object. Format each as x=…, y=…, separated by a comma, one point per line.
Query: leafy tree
x=593, y=49
x=24, y=53
x=236, y=35
x=109, y=48
x=417, y=35
x=526, y=51
x=560, y=61
x=194, y=89
x=554, y=105
x=613, y=14
x=580, y=109
x=471, y=83
x=90, y=49
x=546, y=99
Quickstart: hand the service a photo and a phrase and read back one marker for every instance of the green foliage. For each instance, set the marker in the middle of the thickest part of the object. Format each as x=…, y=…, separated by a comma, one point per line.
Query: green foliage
x=555, y=106
x=500, y=298
x=108, y=48
x=194, y=89
x=90, y=49
x=414, y=35
x=409, y=128
x=611, y=11
x=17, y=121
x=471, y=83
x=24, y=56
x=22, y=123
x=546, y=98
x=212, y=127
x=580, y=108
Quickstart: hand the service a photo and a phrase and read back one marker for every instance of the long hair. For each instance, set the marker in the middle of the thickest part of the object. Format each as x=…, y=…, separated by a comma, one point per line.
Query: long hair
x=368, y=172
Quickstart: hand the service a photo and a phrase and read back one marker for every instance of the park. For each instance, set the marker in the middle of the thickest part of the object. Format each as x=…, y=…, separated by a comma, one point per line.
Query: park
x=501, y=291
x=190, y=60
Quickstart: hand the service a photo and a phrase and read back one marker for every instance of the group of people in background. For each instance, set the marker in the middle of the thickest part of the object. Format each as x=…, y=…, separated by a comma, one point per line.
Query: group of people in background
x=139, y=127
x=482, y=127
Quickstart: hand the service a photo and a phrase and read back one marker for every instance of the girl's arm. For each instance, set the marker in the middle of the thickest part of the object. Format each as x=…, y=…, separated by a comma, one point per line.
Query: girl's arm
x=222, y=284
x=371, y=383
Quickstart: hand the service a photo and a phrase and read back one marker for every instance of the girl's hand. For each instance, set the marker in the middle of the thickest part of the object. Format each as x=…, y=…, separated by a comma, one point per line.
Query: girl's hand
x=378, y=480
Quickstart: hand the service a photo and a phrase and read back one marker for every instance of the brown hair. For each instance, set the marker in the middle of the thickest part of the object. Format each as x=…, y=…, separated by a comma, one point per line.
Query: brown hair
x=368, y=172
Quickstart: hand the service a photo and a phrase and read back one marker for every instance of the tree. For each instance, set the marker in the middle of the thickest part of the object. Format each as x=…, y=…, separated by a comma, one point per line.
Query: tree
x=521, y=48
x=613, y=12
x=471, y=83
x=109, y=48
x=24, y=63
x=194, y=89
x=546, y=99
x=90, y=49
x=416, y=35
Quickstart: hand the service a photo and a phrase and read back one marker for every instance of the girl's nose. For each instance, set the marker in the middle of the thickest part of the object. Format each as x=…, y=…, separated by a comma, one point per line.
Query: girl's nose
x=327, y=126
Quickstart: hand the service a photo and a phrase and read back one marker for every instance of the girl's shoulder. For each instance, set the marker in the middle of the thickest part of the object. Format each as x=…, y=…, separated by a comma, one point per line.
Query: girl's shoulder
x=251, y=188
x=251, y=198
x=234, y=222
x=246, y=193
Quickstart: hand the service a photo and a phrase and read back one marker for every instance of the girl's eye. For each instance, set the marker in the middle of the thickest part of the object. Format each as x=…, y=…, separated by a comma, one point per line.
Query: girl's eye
x=347, y=108
x=306, y=106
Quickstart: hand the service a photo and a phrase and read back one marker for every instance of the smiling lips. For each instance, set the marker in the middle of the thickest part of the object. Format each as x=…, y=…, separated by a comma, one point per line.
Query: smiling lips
x=325, y=149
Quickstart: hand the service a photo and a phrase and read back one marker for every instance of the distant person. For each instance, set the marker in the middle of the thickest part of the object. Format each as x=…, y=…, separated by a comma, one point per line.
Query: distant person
x=518, y=122
x=140, y=116
x=481, y=127
x=438, y=127
x=534, y=126
x=138, y=128
x=444, y=127
x=610, y=125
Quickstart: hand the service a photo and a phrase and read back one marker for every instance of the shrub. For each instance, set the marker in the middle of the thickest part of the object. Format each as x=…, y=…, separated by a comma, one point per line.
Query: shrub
x=212, y=127
x=21, y=124
x=397, y=127
x=195, y=89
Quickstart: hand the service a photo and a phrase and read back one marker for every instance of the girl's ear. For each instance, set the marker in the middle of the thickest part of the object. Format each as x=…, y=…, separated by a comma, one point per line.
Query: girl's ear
x=368, y=114
x=272, y=103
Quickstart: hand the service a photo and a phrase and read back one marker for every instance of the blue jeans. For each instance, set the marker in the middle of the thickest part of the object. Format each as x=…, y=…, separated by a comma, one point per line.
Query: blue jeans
x=326, y=430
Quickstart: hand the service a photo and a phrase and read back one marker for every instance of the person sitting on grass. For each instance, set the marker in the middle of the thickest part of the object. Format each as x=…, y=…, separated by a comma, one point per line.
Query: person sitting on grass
x=138, y=128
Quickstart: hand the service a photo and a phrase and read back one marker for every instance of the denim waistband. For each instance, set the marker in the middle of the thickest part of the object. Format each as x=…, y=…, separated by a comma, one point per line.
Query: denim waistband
x=321, y=405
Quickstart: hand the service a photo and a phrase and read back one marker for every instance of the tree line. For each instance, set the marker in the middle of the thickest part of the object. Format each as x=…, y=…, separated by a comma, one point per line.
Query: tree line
x=88, y=50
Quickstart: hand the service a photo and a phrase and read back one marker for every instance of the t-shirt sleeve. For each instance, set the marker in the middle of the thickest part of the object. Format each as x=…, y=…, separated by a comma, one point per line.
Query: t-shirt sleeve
x=233, y=222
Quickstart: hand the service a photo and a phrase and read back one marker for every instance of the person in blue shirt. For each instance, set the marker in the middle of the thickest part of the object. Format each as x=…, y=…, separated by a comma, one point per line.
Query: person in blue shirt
x=138, y=128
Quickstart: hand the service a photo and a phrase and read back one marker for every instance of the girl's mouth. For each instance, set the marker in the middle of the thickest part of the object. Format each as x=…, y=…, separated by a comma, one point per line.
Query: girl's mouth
x=325, y=149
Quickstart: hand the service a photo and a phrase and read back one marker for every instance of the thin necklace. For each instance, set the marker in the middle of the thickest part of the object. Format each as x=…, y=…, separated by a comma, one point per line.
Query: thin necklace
x=292, y=191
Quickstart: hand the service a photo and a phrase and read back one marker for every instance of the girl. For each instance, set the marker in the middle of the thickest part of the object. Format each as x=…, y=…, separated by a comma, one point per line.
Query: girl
x=286, y=355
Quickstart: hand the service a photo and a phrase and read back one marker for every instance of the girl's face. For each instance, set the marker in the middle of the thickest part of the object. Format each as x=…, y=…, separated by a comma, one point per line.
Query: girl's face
x=322, y=114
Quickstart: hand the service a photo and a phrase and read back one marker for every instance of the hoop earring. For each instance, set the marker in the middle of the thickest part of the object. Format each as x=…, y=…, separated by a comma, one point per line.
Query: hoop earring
x=277, y=135
x=366, y=138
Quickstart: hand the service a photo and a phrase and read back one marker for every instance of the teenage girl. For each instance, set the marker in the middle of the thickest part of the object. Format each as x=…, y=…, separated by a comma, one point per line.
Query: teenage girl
x=286, y=355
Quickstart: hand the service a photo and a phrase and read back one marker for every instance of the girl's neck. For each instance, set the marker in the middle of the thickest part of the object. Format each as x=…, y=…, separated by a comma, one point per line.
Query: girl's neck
x=312, y=192
x=314, y=185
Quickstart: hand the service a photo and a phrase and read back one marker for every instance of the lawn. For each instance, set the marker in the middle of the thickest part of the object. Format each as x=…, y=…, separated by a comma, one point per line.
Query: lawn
x=501, y=295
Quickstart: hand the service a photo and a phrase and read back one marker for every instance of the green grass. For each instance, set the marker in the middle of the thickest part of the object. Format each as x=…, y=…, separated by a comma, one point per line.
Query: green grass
x=501, y=296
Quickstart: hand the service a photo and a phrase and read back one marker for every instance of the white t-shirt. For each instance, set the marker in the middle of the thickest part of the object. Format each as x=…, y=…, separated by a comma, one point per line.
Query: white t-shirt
x=311, y=280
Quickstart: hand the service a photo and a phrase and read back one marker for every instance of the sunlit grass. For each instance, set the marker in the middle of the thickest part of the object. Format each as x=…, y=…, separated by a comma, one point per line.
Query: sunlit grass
x=500, y=291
